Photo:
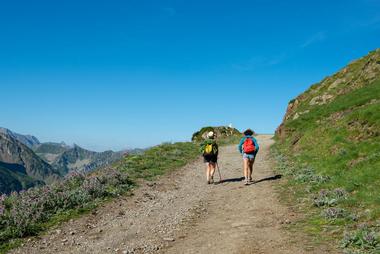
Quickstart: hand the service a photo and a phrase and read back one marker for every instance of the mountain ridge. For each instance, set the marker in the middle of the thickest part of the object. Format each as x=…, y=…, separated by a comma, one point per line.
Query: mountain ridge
x=27, y=140
x=21, y=167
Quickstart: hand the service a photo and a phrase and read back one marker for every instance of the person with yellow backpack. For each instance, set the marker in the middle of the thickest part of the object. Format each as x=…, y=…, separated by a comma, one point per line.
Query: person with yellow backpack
x=209, y=149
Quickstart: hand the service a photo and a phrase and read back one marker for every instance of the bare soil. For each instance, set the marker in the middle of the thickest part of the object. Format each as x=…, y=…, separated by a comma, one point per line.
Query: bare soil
x=180, y=213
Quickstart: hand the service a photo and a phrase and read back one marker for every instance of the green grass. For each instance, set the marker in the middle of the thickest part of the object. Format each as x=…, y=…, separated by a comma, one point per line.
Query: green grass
x=339, y=140
x=158, y=160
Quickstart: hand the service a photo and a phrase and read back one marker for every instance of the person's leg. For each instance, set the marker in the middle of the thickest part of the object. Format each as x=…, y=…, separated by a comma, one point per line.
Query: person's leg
x=246, y=166
x=252, y=162
x=212, y=171
x=250, y=169
x=208, y=170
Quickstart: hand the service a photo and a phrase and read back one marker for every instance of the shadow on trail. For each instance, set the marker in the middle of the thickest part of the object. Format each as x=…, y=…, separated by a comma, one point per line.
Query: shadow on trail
x=240, y=179
x=271, y=178
x=232, y=180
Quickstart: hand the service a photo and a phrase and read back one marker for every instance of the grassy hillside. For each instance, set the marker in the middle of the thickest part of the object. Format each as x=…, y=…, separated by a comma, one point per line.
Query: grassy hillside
x=329, y=146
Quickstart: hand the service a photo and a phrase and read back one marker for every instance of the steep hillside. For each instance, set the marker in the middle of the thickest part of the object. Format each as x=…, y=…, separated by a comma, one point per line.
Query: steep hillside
x=20, y=166
x=12, y=180
x=27, y=140
x=330, y=136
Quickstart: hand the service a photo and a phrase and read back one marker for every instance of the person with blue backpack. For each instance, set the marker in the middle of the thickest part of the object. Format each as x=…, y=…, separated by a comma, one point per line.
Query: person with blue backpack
x=248, y=147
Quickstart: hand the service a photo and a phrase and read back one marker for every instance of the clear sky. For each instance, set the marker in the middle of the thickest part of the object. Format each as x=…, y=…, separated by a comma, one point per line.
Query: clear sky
x=135, y=73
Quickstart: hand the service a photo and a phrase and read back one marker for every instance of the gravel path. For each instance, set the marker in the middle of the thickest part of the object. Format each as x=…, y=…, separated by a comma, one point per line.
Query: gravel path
x=180, y=213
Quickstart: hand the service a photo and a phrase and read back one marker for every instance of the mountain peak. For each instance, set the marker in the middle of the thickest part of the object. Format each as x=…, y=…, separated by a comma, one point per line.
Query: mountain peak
x=27, y=140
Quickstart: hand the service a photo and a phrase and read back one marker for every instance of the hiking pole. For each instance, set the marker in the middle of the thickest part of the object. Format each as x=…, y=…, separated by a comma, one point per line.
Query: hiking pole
x=220, y=176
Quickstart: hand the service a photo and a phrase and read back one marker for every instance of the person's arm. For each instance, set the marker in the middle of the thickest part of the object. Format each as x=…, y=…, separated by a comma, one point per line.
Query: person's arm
x=202, y=147
x=217, y=148
x=256, y=144
x=240, y=146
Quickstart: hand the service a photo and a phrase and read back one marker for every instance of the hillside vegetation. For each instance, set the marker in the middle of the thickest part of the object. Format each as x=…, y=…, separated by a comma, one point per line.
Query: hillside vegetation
x=30, y=212
x=224, y=134
x=329, y=145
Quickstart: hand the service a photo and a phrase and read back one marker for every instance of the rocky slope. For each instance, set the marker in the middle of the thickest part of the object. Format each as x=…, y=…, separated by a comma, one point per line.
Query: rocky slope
x=82, y=160
x=50, y=151
x=65, y=158
x=20, y=167
x=27, y=140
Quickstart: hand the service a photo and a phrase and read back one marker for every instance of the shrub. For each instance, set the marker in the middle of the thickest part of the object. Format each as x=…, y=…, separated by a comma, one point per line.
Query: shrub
x=364, y=238
x=308, y=175
x=329, y=198
x=23, y=213
x=333, y=213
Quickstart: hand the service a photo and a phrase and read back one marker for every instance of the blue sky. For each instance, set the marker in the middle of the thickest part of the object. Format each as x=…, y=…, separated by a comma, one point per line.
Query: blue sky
x=118, y=74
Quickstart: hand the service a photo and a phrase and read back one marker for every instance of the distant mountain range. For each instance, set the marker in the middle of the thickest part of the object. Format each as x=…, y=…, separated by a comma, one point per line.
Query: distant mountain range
x=26, y=162
x=65, y=158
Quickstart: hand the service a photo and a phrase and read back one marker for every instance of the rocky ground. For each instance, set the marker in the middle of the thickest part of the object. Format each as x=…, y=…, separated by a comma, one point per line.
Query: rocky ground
x=180, y=213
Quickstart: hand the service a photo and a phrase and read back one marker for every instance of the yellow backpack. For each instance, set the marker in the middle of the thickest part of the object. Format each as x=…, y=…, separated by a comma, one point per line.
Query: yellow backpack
x=209, y=149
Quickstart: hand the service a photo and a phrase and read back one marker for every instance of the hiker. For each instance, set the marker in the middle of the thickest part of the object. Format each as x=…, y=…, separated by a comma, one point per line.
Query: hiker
x=249, y=147
x=209, y=149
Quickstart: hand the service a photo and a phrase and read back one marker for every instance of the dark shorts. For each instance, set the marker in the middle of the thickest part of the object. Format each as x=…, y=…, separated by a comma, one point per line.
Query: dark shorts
x=210, y=158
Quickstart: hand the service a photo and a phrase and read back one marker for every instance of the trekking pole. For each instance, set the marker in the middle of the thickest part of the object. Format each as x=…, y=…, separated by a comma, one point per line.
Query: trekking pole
x=220, y=176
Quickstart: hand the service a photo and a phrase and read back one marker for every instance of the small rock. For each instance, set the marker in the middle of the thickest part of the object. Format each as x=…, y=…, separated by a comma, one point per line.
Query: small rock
x=169, y=239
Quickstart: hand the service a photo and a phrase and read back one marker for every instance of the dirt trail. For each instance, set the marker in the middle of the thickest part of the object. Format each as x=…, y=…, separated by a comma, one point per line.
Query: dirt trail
x=180, y=213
